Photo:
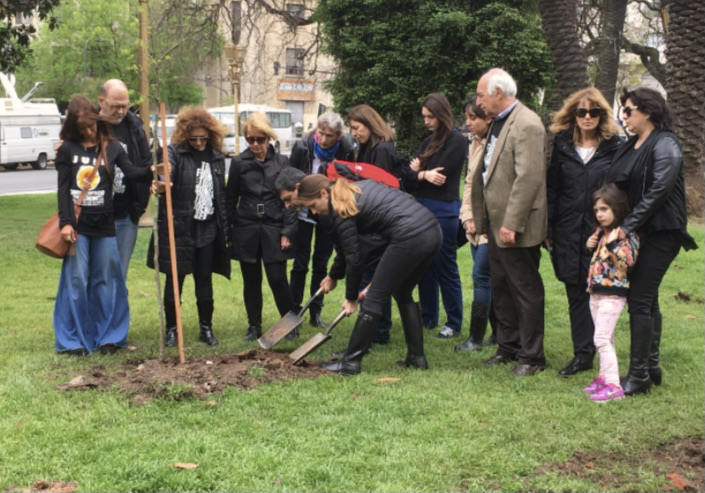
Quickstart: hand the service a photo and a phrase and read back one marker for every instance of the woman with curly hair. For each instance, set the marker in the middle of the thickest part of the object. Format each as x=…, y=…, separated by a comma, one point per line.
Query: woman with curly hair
x=262, y=227
x=585, y=142
x=200, y=225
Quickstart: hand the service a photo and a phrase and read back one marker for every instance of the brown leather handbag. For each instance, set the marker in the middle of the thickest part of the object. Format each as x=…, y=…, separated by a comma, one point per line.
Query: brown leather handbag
x=50, y=240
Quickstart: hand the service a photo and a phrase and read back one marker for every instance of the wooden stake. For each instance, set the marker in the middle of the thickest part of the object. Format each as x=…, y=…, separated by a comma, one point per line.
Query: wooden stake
x=170, y=226
x=155, y=235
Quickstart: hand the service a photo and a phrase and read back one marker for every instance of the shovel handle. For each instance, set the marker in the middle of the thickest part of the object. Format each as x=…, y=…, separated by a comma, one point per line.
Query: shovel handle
x=316, y=295
x=335, y=321
x=363, y=293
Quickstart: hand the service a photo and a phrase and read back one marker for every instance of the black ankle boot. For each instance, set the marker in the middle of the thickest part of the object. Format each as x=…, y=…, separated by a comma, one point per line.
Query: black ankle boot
x=360, y=341
x=254, y=332
x=478, y=327
x=410, y=314
x=654, y=369
x=207, y=336
x=170, y=338
x=294, y=334
x=638, y=380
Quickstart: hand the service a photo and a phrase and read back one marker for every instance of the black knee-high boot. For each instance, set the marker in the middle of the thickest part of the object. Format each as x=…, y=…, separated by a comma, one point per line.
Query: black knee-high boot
x=360, y=341
x=205, y=315
x=478, y=327
x=654, y=368
x=492, y=339
x=410, y=314
x=170, y=339
x=637, y=380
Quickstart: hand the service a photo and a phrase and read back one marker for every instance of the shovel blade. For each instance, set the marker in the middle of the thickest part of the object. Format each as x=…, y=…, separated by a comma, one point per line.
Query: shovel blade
x=308, y=347
x=280, y=330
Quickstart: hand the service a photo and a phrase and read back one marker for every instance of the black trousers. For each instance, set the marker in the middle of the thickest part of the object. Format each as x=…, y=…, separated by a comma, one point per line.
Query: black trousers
x=518, y=298
x=582, y=327
x=203, y=281
x=252, y=288
x=400, y=269
x=322, y=250
x=656, y=252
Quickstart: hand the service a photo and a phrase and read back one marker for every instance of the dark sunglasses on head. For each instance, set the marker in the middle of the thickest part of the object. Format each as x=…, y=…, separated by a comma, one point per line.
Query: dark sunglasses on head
x=583, y=112
x=198, y=139
x=259, y=140
x=627, y=110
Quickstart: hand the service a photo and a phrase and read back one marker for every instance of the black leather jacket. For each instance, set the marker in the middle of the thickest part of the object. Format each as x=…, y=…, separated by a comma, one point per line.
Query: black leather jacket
x=654, y=182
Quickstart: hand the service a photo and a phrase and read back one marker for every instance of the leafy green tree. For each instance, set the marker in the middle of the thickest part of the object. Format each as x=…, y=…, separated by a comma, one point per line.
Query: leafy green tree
x=15, y=37
x=392, y=53
x=98, y=40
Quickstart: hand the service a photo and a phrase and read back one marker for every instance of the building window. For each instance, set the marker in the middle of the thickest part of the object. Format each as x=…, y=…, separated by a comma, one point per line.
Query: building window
x=296, y=10
x=295, y=61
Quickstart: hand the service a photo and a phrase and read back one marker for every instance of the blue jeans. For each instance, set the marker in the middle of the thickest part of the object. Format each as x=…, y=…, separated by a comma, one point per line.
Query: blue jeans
x=443, y=273
x=126, y=237
x=91, y=307
x=481, y=279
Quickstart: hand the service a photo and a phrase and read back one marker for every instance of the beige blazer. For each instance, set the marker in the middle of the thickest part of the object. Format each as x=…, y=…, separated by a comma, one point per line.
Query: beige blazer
x=514, y=195
x=475, y=154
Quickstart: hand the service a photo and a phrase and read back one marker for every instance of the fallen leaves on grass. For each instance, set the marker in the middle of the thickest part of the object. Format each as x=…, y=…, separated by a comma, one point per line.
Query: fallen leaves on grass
x=387, y=380
x=184, y=465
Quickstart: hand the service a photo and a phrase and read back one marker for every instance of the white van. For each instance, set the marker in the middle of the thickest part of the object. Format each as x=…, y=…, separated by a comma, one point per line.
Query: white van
x=279, y=118
x=29, y=130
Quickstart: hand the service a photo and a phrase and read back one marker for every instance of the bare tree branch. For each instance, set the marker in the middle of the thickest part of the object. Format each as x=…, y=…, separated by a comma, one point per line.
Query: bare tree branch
x=649, y=58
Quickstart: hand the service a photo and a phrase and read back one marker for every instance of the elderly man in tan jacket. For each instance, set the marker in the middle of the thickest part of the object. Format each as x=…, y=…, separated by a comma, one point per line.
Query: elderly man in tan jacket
x=509, y=205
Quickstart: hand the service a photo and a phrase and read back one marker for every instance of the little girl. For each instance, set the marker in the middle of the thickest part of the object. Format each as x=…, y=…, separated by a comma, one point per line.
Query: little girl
x=608, y=284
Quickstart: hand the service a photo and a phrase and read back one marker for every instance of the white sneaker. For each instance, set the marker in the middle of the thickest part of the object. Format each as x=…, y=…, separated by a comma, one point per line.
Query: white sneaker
x=447, y=333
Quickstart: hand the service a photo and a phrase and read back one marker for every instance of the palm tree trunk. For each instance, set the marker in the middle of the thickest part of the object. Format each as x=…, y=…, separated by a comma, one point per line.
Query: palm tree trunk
x=684, y=22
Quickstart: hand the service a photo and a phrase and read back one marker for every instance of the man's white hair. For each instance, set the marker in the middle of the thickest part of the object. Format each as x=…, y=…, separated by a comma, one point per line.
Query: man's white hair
x=498, y=77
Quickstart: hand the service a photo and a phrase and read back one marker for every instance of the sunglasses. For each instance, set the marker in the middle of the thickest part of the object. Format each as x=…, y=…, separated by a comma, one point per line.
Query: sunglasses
x=259, y=140
x=627, y=110
x=198, y=139
x=583, y=112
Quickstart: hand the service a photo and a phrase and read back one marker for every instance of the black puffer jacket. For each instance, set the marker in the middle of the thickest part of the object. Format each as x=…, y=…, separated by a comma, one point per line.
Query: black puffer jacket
x=256, y=213
x=183, y=194
x=302, y=154
x=392, y=214
x=570, y=185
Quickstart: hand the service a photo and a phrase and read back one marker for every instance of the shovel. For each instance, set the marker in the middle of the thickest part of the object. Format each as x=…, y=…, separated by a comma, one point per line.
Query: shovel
x=286, y=325
x=317, y=341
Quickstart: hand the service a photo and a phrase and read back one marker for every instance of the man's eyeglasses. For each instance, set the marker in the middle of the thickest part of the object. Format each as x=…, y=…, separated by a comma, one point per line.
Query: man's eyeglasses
x=627, y=110
x=117, y=107
x=198, y=139
x=259, y=140
x=583, y=112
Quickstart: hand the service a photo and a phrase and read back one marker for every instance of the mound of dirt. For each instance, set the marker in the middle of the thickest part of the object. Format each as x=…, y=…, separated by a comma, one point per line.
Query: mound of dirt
x=198, y=378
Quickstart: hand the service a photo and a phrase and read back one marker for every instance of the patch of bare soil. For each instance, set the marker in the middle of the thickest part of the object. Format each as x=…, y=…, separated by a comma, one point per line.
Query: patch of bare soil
x=198, y=378
x=48, y=487
x=680, y=462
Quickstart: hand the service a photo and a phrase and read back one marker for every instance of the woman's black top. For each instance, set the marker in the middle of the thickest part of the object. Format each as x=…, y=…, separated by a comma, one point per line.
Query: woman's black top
x=74, y=163
x=570, y=185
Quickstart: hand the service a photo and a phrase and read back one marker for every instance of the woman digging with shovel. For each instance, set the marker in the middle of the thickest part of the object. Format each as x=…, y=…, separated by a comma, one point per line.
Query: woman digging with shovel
x=414, y=237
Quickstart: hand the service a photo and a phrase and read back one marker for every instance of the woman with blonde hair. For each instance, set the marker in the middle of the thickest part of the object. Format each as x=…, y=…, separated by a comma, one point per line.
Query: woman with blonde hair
x=584, y=144
x=197, y=168
x=262, y=228
x=364, y=208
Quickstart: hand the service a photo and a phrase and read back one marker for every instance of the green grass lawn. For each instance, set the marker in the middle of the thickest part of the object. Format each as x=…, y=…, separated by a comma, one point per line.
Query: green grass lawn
x=457, y=427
